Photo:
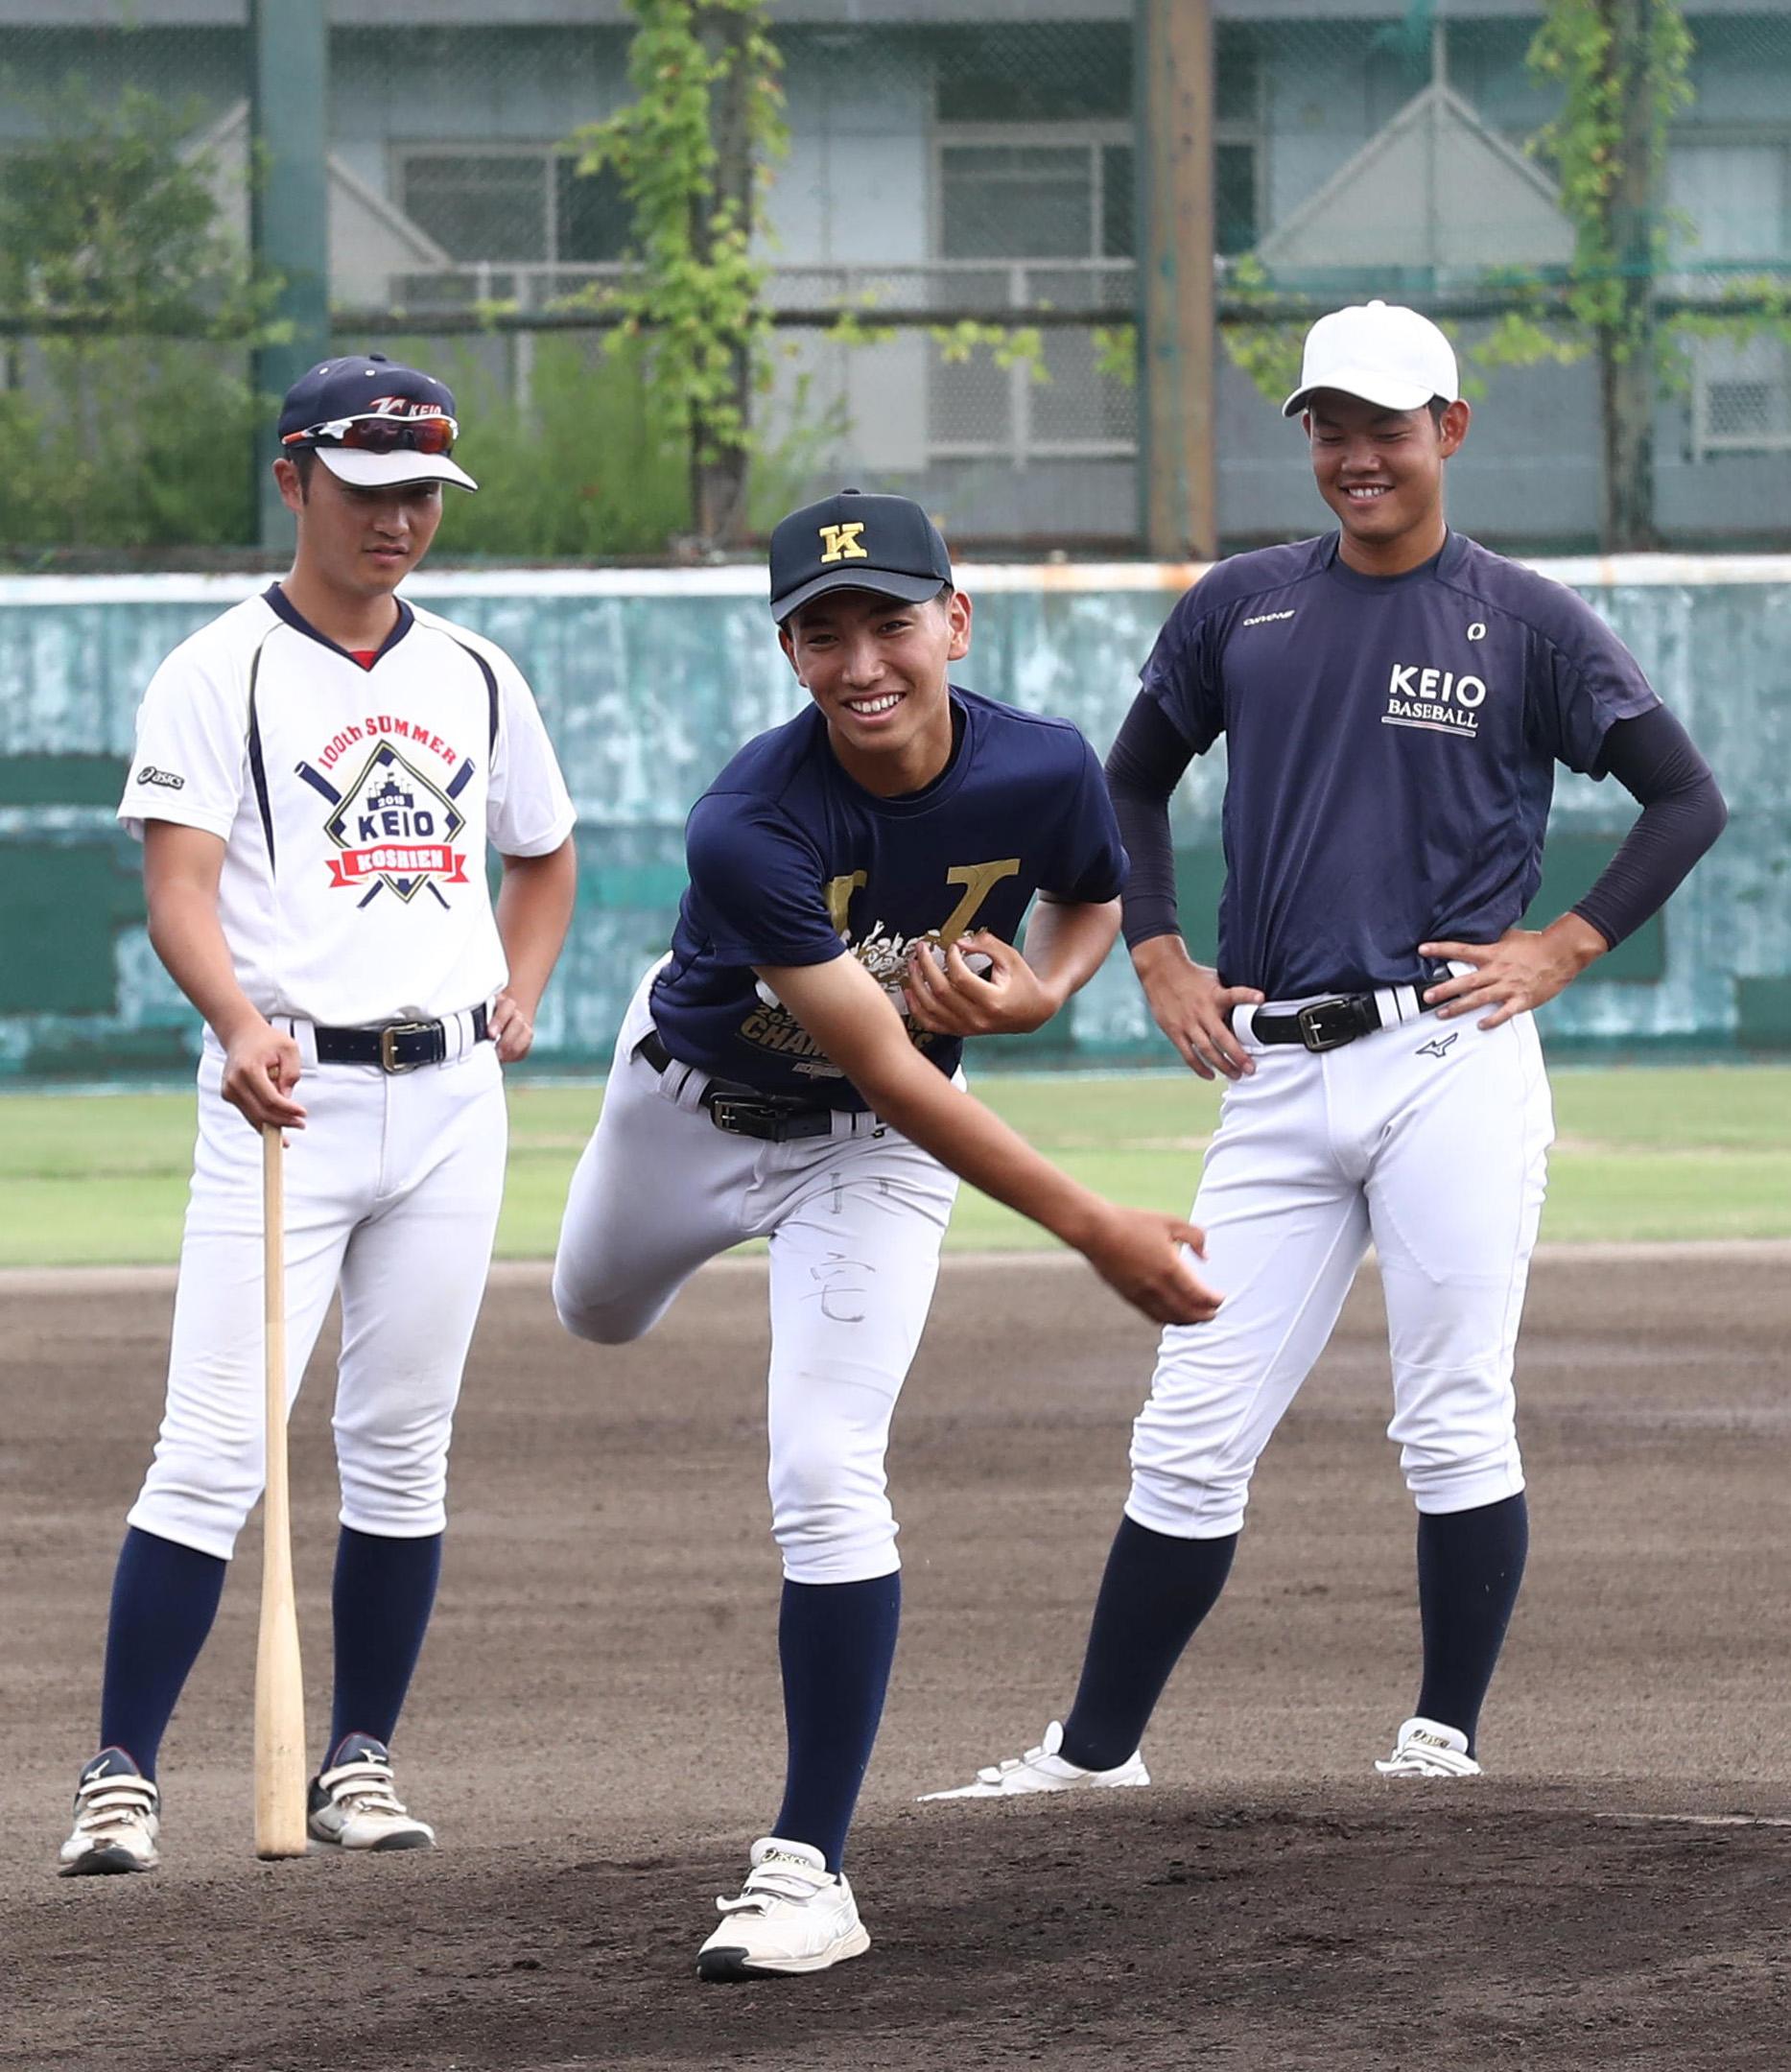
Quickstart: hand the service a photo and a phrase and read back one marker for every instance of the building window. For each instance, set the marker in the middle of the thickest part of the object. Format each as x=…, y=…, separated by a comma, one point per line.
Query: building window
x=1740, y=396
x=1730, y=208
x=592, y=219
x=1016, y=72
x=1065, y=201
x=1050, y=197
x=1235, y=227
x=1238, y=137
x=1035, y=204
x=1029, y=215
x=514, y=207
x=1062, y=186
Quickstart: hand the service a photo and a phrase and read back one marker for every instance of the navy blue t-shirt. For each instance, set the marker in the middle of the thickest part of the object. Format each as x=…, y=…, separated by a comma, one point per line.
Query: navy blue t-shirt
x=1391, y=743
x=792, y=862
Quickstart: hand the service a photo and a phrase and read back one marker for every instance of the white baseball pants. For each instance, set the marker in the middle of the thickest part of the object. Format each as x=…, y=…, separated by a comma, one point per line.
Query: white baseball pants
x=854, y=1221
x=1427, y=1138
x=392, y=1191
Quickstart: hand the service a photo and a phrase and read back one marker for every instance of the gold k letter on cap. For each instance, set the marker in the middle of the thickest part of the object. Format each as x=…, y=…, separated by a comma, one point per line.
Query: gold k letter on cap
x=840, y=542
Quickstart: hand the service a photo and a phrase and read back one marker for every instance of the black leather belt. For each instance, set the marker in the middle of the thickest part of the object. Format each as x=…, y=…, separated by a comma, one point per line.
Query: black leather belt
x=400, y=1046
x=744, y=1110
x=1325, y=1024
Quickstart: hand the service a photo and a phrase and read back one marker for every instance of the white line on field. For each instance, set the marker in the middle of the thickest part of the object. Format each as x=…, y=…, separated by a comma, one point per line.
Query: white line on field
x=1706, y=1820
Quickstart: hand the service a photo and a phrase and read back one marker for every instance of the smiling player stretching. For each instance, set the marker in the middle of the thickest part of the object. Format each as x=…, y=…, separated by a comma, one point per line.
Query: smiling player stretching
x=856, y=878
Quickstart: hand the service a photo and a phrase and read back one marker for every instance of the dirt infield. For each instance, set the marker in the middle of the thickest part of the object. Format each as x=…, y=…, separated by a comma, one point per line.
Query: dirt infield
x=595, y=1727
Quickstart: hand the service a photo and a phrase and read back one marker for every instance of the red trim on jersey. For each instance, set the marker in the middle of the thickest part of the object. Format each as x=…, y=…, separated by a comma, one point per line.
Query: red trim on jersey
x=366, y=656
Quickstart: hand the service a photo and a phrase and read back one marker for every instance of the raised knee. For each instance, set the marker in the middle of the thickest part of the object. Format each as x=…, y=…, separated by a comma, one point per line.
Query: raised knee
x=597, y=1323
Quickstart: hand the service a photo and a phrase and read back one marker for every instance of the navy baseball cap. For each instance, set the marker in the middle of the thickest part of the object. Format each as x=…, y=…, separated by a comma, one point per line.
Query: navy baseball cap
x=857, y=542
x=373, y=422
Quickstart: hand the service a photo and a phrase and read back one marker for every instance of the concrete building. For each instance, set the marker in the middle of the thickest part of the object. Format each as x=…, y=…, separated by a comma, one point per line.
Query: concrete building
x=949, y=154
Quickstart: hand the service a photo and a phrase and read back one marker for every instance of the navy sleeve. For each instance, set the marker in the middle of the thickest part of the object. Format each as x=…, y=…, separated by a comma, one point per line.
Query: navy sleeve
x=1655, y=759
x=1144, y=768
x=1182, y=672
x=1584, y=681
x=1090, y=865
x=757, y=883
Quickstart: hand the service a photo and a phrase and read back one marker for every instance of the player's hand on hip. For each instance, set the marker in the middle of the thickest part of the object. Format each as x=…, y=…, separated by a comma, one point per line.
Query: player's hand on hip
x=978, y=986
x=510, y=1028
x=1138, y=1251
x=1193, y=1008
x=260, y=1070
x=1520, y=971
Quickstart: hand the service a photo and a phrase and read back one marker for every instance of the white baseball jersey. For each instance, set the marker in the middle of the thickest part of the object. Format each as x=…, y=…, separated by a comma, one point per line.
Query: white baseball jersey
x=356, y=803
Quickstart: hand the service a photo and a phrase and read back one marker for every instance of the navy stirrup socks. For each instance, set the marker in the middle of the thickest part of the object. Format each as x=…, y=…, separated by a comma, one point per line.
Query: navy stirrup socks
x=835, y=1643
x=164, y=1599
x=1469, y=1564
x=1155, y=1592
x=383, y=1594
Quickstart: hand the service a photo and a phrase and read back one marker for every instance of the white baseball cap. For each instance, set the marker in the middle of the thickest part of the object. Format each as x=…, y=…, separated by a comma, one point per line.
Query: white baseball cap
x=1381, y=352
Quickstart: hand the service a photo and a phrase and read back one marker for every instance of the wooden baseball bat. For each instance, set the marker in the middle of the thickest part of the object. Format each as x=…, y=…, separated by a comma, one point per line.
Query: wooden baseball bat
x=279, y=1685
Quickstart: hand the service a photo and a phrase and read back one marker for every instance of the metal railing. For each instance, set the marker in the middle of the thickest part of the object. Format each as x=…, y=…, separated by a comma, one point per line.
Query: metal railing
x=1053, y=402
x=812, y=292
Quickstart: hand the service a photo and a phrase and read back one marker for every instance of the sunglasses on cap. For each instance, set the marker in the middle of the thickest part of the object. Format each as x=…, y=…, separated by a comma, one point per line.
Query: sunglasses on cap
x=434, y=435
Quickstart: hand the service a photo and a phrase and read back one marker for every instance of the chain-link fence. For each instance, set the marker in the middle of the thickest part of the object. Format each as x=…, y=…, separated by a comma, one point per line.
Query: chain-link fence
x=951, y=250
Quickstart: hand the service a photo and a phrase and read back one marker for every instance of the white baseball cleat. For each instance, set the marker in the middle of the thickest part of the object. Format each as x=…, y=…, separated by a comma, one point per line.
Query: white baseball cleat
x=1043, y=1768
x=116, y=1819
x=1426, y=1748
x=792, y=1915
x=355, y=1804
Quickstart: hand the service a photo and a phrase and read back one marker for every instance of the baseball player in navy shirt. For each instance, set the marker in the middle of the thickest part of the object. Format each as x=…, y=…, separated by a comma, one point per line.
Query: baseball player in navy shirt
x=789, y=1071
x=1394, y=700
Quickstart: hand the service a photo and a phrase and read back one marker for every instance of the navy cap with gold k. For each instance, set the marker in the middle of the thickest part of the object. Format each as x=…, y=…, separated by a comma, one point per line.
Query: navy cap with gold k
x=852, y=541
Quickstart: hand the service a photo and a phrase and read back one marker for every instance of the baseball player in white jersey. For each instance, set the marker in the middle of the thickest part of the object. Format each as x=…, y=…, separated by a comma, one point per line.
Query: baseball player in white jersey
x=317, y=777
x=1394, y=699
x=789, y=1070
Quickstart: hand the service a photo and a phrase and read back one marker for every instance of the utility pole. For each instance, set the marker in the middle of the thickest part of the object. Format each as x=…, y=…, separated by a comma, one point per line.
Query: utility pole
x=1178, y=503
x=288, y=210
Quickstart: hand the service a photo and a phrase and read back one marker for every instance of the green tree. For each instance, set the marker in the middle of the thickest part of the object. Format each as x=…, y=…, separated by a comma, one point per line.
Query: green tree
x=693, y=151
x=1622, y=63
x=579, y=472
x=110, y=253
